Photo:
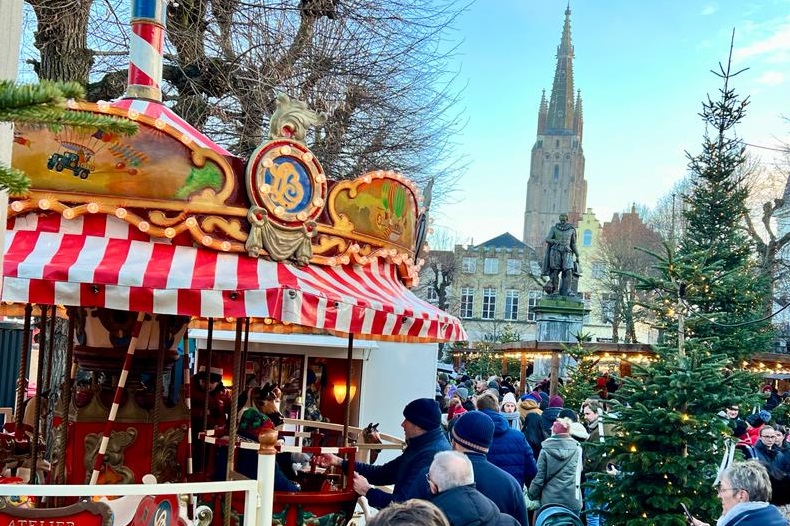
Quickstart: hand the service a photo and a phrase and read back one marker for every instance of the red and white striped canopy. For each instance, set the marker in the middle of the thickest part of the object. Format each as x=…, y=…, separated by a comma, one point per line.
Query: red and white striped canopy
x=157, y=110
x=73, y=269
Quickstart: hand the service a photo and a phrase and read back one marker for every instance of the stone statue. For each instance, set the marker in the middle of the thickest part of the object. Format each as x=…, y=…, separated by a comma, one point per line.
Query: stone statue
x=561, y=259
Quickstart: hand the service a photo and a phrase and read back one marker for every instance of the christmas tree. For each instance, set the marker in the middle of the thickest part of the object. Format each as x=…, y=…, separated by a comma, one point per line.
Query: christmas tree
x=708, y=299
x=580, y=381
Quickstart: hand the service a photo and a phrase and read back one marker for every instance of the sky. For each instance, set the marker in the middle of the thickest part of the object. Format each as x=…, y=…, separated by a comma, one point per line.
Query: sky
x=643, y=68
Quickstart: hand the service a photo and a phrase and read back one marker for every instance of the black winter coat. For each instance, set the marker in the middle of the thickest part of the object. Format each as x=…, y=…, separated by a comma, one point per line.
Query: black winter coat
x=465, y=506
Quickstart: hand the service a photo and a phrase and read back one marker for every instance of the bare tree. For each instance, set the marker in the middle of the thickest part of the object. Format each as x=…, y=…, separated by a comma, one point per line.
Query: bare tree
x=619, y=257
x=667, y=217
x=378, y=69
x=770, y=237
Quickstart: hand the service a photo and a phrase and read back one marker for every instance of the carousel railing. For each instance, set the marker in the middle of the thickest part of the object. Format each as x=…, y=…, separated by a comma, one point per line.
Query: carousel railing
x=94, y=493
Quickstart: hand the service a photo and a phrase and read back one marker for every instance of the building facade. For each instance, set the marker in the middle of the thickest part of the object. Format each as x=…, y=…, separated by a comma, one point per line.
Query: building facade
x=497, y=284
x=556, y=180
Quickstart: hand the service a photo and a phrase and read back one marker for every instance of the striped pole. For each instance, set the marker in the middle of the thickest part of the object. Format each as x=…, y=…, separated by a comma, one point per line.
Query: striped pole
x=145, y=49
x=127, y=364
x=188, y=402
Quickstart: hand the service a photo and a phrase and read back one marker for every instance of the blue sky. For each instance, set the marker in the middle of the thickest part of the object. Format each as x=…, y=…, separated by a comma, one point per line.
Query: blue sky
x=643, y=69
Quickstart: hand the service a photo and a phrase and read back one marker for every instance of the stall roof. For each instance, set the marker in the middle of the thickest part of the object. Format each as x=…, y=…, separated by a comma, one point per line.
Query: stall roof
x=60, y=268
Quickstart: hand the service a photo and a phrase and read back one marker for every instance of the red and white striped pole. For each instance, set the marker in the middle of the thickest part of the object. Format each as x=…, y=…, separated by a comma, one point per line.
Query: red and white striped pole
x=188, y=401
x=116, y=402
x=145, y=49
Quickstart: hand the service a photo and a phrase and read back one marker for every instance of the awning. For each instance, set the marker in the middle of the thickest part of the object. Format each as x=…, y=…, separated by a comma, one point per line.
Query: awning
x=59, y=268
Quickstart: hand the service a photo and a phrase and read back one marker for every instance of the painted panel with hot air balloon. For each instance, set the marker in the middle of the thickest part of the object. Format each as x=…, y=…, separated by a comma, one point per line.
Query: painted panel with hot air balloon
x=148, y=165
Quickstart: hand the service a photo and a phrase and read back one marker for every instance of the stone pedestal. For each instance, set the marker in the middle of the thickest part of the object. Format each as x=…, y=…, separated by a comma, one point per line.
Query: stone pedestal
x=559, y=319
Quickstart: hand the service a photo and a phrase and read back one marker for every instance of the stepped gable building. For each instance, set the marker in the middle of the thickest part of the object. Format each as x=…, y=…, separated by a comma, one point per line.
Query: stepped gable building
x=556, y=179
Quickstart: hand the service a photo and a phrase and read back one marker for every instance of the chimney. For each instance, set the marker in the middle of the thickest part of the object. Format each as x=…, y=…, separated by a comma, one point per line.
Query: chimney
x=145, y=49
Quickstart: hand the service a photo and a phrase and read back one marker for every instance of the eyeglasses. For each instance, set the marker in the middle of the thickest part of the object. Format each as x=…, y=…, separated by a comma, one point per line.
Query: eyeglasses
x=720, y=490
x=428, y=478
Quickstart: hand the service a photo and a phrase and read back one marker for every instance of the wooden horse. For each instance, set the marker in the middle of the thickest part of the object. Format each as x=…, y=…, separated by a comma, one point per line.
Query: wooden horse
x=370, y=435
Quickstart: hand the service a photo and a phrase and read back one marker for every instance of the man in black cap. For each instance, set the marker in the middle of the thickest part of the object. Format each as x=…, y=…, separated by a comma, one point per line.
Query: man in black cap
x=424, y=438
x=472, y=435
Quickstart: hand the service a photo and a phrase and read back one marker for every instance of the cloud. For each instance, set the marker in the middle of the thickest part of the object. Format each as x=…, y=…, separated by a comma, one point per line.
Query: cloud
x=771, y=78
x=709, y=9
x=774, y=47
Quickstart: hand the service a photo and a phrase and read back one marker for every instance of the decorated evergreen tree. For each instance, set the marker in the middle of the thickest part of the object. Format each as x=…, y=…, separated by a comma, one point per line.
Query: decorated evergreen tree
x=580, y=381
x=669, y=442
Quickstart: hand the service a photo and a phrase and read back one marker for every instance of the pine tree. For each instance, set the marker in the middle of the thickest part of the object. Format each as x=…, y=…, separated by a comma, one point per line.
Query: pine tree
x=669, y=441
x=580, y=382
x=45, y=104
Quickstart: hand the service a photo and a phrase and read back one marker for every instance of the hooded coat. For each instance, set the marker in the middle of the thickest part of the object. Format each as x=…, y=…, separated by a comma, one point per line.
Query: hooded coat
x=557, y=481
x=465, y=506
x=510, y=451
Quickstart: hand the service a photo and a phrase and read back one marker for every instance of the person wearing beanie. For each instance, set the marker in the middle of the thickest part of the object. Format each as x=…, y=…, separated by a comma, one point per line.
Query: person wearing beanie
x=559, y=469
x=451, y=481
x=551, y=413
x=424, y=438
x=532, y=427
x=472, y=435
x=509, y=449
x=508, y=410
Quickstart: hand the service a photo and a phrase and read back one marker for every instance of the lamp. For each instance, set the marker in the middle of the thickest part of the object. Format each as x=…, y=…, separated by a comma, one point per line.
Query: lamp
x=340, y=392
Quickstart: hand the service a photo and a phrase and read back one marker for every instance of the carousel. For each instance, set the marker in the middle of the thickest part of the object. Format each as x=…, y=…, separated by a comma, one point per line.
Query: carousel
x=132, y=241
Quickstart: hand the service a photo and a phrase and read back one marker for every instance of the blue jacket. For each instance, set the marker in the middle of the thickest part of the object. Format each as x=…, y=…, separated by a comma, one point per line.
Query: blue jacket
x=510, y=450
x=403, y=471
x=768, y=515
x=465, y=506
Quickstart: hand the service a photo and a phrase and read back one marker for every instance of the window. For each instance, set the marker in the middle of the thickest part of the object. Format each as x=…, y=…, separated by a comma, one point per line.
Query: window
x=469, y=265
x=467, y=302
x=511, y=305
x=489, y=303
x=491, y=266
x=534, y=268
x=556, y=172
x=532, y=302
x=587, y=238
x=513, y=267
x=432, y=295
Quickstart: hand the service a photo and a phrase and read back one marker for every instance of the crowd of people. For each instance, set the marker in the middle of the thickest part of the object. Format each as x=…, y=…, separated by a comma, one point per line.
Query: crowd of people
x=480, y=453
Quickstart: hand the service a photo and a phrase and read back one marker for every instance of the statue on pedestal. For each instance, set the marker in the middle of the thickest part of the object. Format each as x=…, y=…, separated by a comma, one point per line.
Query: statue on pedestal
x=561, y=259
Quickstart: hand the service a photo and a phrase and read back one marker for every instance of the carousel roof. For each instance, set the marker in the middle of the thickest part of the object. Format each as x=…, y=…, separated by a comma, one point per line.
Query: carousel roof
x=164, y=115
x=74, y=269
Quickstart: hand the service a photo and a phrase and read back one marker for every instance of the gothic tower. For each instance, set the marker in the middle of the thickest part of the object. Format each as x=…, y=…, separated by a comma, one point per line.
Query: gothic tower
x=556, y=177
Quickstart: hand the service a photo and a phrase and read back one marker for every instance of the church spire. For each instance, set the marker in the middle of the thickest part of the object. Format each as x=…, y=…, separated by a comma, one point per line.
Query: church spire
x=561, y=104
x=578, y=116
x=542, y=113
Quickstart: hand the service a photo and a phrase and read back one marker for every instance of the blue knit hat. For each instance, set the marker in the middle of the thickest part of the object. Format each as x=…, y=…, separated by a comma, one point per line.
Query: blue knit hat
x=474, y=430
x=423, y=412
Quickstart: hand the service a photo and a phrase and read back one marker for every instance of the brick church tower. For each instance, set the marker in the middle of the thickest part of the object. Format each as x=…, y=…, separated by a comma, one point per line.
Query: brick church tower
x=556, y=177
